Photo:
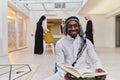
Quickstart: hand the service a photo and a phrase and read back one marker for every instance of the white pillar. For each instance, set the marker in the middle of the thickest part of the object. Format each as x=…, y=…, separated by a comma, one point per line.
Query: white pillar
x=3, y=28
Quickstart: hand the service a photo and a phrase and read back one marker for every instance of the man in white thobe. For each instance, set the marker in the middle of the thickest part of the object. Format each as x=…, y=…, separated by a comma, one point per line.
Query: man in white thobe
x=68, y=52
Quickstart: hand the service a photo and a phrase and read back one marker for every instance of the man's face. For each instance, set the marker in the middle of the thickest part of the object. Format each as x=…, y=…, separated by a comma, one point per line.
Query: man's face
x=73, y=28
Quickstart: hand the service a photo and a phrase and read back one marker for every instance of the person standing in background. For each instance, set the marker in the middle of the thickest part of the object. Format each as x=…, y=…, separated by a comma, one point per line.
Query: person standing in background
x=89, y=29
x=62, y=25
x=41, y=28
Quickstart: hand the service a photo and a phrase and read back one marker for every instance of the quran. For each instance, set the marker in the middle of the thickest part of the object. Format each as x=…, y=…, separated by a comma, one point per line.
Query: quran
x=77, y=74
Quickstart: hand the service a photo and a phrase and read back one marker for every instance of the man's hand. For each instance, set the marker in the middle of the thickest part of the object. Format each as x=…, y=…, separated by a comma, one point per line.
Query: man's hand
x=100, y=77
x=69, y=77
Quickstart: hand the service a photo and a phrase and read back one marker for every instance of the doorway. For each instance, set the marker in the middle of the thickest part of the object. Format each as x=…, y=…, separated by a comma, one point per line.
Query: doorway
x=54, y=26
x=117, y=31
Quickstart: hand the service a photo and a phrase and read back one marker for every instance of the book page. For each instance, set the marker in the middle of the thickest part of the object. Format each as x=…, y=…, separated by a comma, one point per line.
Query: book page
x=88, y=75
x=91, y=75
x=70, y=70
x=100, y=74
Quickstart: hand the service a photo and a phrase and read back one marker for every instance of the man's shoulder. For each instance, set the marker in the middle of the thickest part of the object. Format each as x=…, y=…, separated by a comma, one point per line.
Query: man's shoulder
x=88, y=42
x=61, y=39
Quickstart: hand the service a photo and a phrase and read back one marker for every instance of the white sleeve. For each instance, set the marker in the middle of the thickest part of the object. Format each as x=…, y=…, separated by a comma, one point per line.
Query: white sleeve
x=44, y=25
x=93, y=56
x=59, y=53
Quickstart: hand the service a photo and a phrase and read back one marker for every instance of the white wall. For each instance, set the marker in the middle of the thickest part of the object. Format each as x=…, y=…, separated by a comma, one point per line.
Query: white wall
x=110, y=31
x=104, y=31
x=3, y=28
x=0, y=27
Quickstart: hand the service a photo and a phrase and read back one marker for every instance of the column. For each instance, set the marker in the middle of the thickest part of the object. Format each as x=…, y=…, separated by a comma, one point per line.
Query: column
x=3, y=28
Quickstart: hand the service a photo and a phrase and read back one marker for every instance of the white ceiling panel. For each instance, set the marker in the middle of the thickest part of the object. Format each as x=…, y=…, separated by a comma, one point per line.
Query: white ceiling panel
x=51, y=5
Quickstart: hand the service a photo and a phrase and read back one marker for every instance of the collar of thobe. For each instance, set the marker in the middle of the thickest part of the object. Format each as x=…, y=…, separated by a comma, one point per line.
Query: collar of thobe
x=70, y=38
x=76, y=44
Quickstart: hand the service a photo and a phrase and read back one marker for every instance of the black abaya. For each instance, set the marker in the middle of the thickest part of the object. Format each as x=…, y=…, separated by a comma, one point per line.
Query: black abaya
x=38, y=47
x=89, y=31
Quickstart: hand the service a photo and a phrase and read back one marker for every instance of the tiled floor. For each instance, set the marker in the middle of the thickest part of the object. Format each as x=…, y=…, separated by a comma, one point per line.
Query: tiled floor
x=43, y=65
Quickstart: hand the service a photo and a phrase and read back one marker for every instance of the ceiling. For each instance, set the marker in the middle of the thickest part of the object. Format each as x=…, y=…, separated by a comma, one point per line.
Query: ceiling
x=75, y=6
x=51, y=5
x=100, y=6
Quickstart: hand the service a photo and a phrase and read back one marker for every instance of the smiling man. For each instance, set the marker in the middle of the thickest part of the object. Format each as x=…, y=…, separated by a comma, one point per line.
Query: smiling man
x=74, y=50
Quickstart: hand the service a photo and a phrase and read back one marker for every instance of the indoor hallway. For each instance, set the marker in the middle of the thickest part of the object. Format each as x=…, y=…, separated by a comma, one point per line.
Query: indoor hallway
x=42, y=66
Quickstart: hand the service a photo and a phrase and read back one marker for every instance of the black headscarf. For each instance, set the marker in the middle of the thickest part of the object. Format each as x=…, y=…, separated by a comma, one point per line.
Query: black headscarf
x=42, y=19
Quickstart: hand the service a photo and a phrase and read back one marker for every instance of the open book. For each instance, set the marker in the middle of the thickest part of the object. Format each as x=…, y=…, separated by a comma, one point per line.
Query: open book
x=76, y=74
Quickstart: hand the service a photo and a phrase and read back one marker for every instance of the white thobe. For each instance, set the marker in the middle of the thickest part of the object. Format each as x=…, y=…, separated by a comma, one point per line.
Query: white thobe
x=66, y=53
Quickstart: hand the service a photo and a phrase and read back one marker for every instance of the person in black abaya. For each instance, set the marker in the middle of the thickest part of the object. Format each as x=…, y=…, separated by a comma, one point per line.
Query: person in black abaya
x=62, y=25
x=89, y=29
x=38, y=47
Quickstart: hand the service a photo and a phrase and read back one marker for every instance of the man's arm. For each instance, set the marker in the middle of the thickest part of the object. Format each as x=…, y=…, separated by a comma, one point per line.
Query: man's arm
x=93, y=56
x=59, y=53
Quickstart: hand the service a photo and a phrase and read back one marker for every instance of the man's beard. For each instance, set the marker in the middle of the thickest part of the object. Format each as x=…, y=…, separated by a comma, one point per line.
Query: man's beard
x=71, y=33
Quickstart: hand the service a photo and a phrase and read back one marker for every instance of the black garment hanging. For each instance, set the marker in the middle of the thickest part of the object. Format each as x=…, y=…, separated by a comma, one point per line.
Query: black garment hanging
x=89, y=31
x=38, y=47
x=61, y=28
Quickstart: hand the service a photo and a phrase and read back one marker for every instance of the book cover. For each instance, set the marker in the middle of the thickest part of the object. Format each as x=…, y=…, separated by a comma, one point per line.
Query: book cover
x=77, y=74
